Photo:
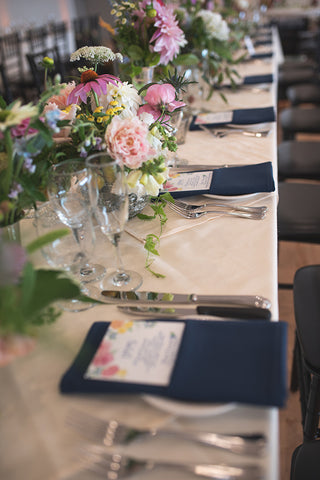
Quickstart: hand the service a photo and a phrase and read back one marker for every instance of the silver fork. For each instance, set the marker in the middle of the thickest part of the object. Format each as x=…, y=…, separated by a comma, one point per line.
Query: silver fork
x=111, y=432
x=240, y=208
x=114, y=466
x=189, y=214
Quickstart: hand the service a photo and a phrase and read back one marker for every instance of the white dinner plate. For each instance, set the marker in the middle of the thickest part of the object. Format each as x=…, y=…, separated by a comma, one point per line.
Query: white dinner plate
x=188, y=409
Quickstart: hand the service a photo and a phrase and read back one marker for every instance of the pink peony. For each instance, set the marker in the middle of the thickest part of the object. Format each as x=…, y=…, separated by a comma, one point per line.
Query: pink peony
x=127, y=141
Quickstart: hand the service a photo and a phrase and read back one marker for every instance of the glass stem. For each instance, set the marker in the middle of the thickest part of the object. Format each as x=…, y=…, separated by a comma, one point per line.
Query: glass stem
x=116, y=241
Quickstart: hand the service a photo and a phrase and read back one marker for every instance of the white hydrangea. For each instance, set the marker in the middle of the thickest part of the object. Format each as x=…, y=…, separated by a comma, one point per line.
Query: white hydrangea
x=214, y=24
x=125, y=94
x=95, y=55
x=243, y=4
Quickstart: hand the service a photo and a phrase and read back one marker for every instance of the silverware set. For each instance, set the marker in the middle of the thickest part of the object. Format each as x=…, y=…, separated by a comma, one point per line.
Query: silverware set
x=191, y=211
x=114, y=466
x=110, y=433
x=224, y=132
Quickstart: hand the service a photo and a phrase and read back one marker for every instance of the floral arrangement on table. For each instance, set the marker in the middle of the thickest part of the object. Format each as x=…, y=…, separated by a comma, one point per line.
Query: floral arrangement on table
x=26, y=146
x=102, y=113
x=212, y=44
x=146, y=32
x=27, y=296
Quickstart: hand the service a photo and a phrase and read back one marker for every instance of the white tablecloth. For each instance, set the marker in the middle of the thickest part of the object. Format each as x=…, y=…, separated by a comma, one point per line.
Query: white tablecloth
x=223, y=255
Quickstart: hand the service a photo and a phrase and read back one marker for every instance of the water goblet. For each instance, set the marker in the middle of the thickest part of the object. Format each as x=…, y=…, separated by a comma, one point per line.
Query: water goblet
x=110, y=204
x=61, y=253
x=69, y=196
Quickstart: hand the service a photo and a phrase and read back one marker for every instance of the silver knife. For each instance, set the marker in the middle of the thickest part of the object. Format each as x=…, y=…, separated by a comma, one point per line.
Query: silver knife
x=153, y=298
x=215, y=313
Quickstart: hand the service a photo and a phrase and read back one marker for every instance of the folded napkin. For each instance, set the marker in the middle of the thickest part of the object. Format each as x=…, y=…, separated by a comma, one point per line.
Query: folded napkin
x=254, y=79
x=258, y=56
x=243, y=116
x=232, y=361
x=222, y=181
x=262, y=42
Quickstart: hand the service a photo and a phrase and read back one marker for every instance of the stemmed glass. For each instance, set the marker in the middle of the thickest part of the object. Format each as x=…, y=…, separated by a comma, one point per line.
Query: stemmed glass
x=69, y=196
x=109, y=200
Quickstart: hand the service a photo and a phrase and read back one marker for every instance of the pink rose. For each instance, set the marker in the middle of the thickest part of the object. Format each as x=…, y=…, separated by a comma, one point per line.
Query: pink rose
x=127, y=141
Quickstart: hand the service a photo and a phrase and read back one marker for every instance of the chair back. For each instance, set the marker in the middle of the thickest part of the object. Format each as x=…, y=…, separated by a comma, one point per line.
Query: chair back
x=305, y=464
x=11, y=55
x=306, y=288
x=5, y=90
x=37, y=70
x=37, y=38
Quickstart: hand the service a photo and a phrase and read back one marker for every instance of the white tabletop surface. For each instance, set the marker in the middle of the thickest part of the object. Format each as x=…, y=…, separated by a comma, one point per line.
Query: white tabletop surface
x=220, y=255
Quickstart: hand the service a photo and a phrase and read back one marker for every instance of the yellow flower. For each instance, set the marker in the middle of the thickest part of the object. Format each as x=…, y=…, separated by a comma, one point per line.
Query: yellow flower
x=98, y=109
x=114, y=103
x=99, y=119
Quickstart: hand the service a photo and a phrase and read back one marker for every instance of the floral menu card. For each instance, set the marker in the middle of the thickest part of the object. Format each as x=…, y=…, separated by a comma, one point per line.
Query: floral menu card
x=137, y=352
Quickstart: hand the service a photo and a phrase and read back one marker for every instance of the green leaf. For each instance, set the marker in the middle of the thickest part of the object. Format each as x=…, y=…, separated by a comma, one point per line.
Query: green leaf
x=2, y=103
x=135, y=52
x=47, y=238
x=28, y=284
x=186, y=59
x=142, y=216
x=48, y=288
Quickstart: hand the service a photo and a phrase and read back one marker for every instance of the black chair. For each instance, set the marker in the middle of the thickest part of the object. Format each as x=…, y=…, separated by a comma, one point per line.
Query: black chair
x=305, y=464
x=296, y=120
x=299, y=160
x=306, y=296
x=37, y=38
x=37, y=70
x=11, y=58
x=304, y=93
x=5, y=89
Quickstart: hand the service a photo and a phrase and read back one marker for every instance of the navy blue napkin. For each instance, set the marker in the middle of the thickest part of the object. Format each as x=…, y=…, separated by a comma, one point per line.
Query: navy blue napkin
x=258, y=56
x=243, y=116
x=232, y=181
x=232, y=361
x=257, y=43
x=254, y=79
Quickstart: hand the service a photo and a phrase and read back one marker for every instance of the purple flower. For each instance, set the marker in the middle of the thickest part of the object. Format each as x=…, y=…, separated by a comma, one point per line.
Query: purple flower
x=52, y=117
x=12, y=260
x=16, y=189
x=90, y=80
x=28, y=165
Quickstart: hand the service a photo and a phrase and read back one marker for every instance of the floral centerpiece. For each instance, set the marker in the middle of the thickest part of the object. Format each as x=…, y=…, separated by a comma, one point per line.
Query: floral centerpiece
x=212, y=44
x=146, y=32
x=103, y=113
x=26, y=144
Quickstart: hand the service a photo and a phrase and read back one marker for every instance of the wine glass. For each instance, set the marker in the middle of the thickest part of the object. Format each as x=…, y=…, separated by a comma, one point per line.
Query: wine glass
x=61, y=252
x=69, y=196
x=110, y=204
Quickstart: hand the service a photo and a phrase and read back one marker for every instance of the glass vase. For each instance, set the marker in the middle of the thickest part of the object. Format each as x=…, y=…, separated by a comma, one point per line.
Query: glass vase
x=11, y=233
x=144, y=77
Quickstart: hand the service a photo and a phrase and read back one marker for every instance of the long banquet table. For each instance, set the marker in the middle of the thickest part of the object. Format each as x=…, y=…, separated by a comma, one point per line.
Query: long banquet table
x=215, y=255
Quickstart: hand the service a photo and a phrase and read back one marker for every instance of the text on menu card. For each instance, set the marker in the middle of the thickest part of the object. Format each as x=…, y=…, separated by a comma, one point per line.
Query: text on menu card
x=137, y=352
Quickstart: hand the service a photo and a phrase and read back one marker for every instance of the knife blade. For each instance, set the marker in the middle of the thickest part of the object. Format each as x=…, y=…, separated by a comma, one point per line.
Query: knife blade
x=218, y=313
x=154, y=298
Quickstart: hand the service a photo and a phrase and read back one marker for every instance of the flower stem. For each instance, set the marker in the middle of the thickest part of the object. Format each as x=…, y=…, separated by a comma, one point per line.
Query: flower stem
x=9, y=170
x=95, y=96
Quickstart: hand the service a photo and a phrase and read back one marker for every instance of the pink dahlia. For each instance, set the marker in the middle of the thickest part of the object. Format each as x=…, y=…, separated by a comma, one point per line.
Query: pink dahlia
x=90, y=80
x=127, y=141
x=168, y=37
